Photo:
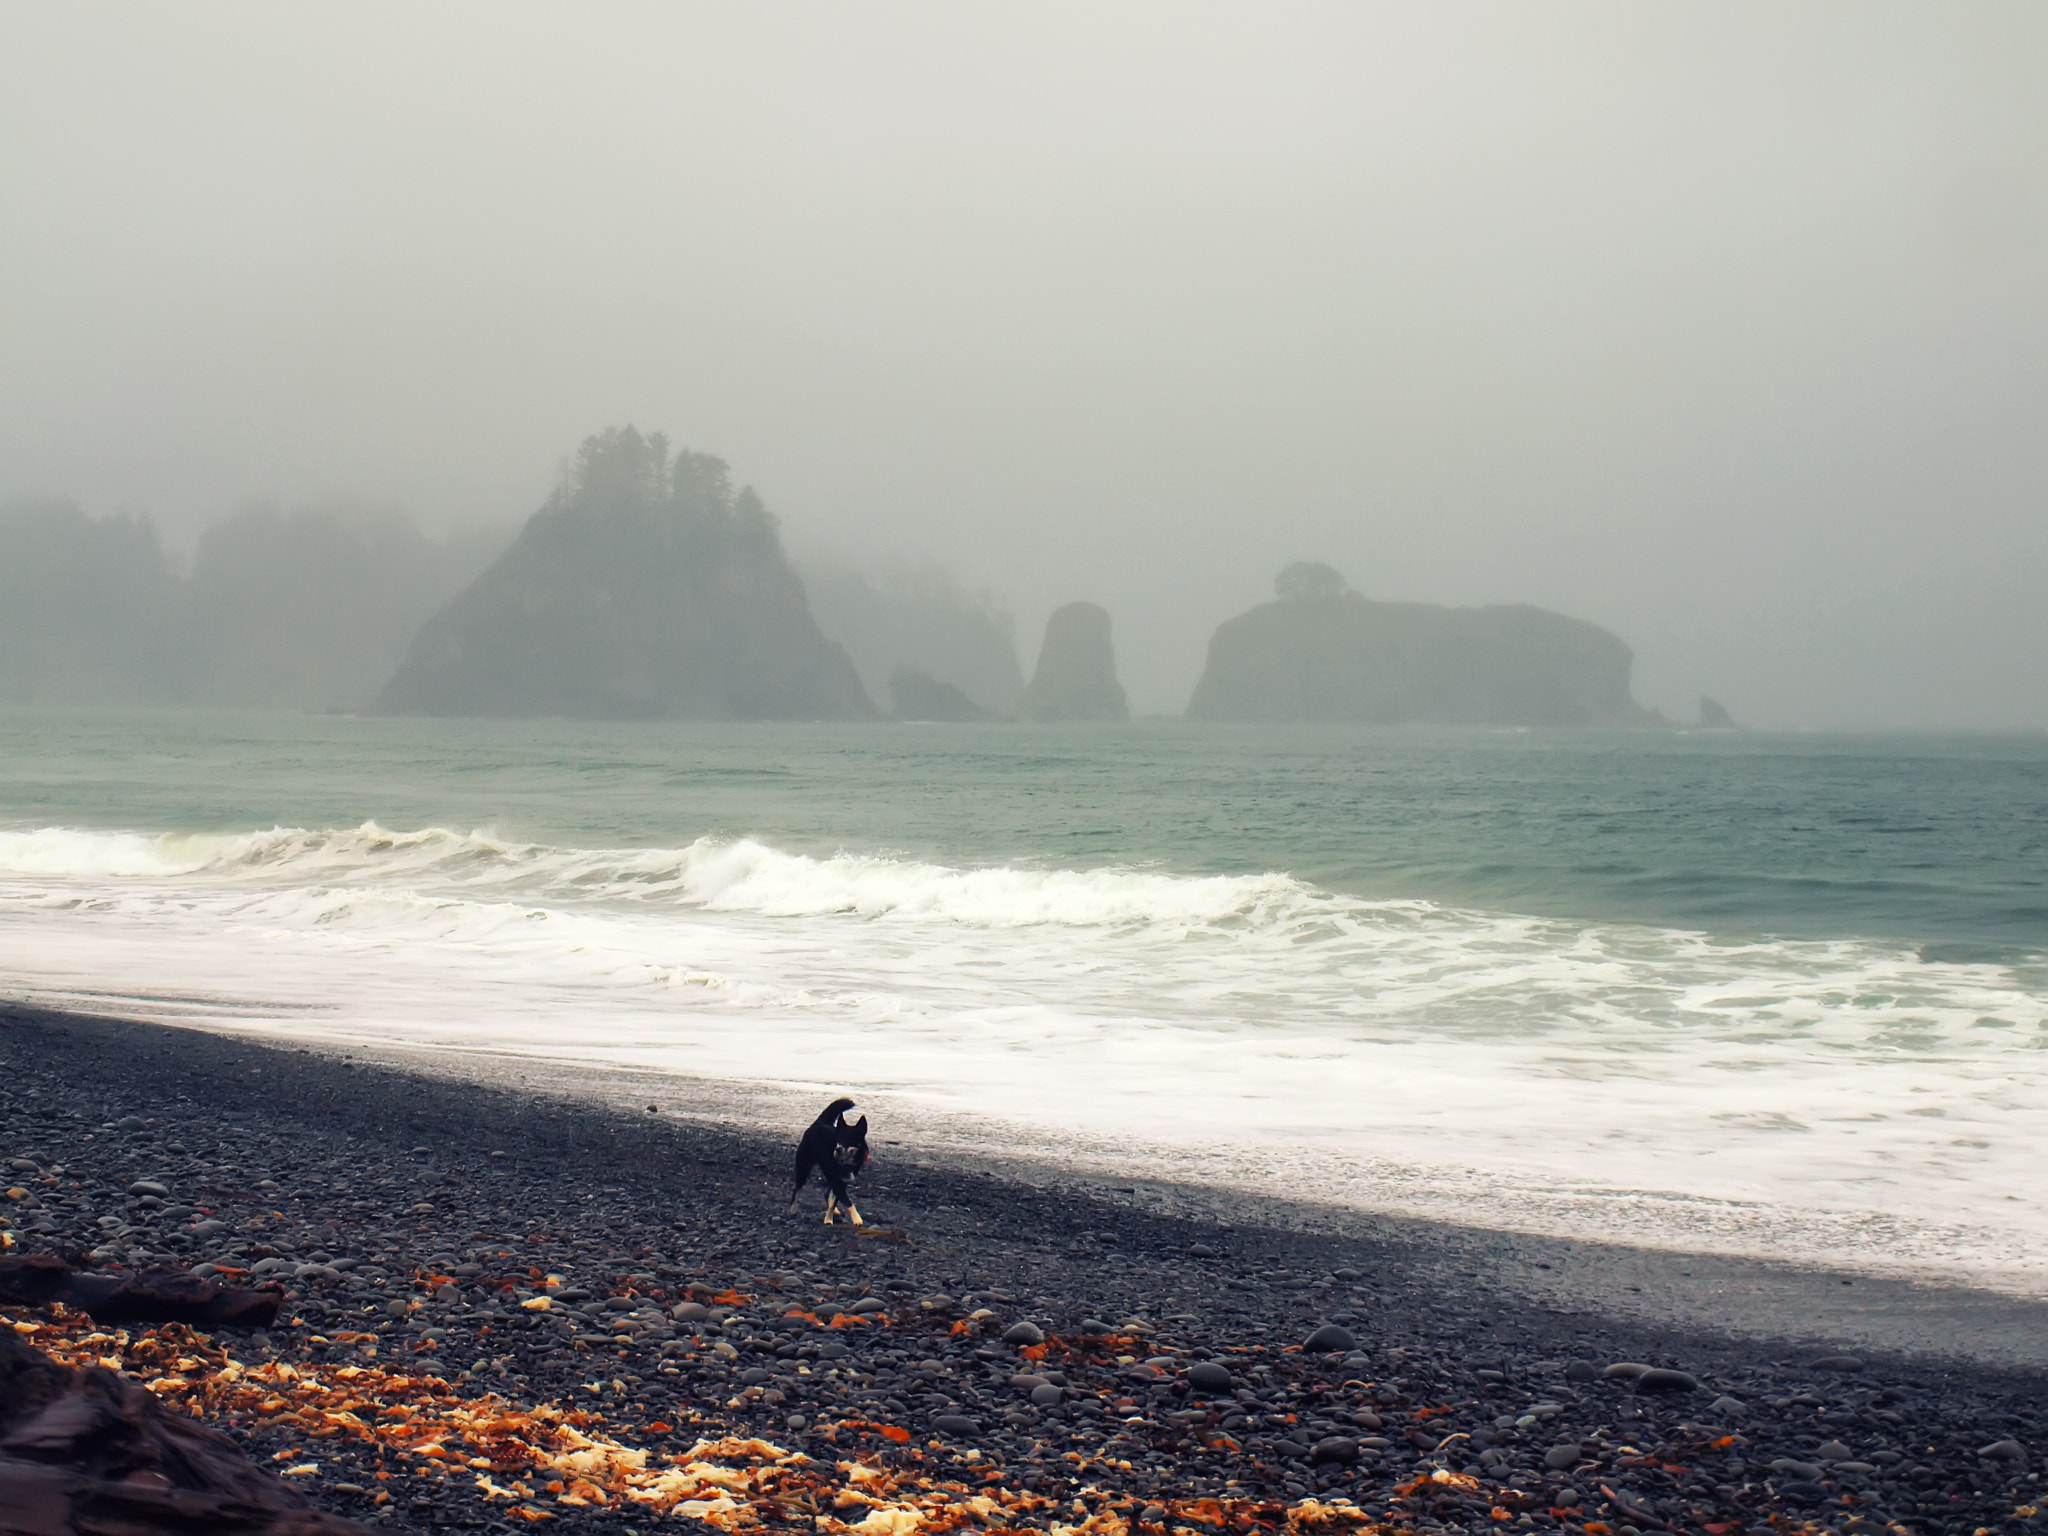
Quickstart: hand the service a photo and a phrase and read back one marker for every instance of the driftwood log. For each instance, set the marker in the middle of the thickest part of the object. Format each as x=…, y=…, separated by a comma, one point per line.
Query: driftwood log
x=90, y=1453
x=153, y=1296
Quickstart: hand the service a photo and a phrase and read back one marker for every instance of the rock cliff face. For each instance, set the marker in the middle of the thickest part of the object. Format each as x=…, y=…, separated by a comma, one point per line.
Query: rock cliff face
x=644, y=589
x=1322, y=652
x=1076, y=676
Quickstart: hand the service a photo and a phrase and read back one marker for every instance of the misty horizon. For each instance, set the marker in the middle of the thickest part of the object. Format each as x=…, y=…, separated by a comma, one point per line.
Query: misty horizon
x=1717, y=327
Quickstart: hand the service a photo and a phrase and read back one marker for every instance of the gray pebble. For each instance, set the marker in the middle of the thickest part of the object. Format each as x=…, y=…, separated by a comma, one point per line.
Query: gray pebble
x=1330, y=1339
x=1806, y=1471
x=1024, y=1333
x=148, y=1187
x=1727, y=1407
x=1666, y=1381
x=1047, y=1395
x=1843, y=1363
x=1834, y=1450
x=1624, y=1370
x=1563, y=1455
x=955, y=1424
x=2004, y=1450
x=1208, y=1376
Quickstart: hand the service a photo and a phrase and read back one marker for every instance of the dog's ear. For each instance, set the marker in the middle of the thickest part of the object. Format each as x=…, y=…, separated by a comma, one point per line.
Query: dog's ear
x=860, y=1127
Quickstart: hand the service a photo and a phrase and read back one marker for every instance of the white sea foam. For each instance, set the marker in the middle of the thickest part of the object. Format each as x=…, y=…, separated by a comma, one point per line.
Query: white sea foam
x=1839, y=1099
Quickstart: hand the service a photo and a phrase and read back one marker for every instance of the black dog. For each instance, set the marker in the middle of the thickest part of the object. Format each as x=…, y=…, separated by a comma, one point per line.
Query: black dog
x=836, y=1149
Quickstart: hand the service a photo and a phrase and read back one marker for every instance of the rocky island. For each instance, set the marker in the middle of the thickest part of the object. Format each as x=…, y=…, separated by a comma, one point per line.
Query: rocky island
x=1321, y=651
x=1076, y=675
x=645, y=588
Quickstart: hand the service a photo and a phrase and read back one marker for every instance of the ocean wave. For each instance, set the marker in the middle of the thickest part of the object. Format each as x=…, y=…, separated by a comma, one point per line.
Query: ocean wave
x=718, y=874
x=1253, y=1012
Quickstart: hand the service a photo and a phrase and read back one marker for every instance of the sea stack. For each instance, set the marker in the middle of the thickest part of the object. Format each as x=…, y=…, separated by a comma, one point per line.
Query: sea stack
x=1076, y=676
x=1321, y=651
x=645, y=589
x=920, y=696
x=1713, y=717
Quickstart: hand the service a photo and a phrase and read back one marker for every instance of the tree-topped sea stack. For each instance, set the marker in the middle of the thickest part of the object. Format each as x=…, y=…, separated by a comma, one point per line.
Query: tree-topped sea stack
x=1076, y=676
x=645, y=588
x=1323, y=652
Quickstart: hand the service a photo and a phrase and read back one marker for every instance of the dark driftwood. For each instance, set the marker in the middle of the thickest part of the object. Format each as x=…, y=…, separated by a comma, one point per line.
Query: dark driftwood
x=154, y=1296
x=90, y=1453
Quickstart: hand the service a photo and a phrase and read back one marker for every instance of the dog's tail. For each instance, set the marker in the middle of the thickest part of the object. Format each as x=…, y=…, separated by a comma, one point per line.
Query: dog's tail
x=835, y=1111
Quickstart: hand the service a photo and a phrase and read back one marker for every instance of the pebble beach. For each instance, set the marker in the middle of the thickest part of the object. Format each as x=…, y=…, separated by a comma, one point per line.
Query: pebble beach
x=507, y=1309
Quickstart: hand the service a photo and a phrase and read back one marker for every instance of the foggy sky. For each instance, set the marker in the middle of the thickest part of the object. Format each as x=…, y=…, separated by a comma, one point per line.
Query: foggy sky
x=1724, y=325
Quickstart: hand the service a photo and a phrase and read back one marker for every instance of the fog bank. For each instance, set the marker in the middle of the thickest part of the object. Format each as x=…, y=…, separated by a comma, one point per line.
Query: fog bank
x=1719, y=326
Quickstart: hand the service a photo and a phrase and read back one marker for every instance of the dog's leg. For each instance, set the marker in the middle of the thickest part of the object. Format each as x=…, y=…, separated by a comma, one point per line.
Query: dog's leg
x=831, y=1208
x=854, y=1211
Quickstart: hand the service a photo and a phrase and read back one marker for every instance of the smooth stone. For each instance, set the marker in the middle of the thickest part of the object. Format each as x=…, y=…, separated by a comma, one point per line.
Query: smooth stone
x=690, y=1312
x=1201, y=1251
x=2004, y=1450
x=796, y=1421
x=1803, y=1491
x=1727, y=1406
x=753, y=1377
x=1208, y=1376
x=1666, y=1381
x=1330, y=1339
x=1336, y=1448
x=1806, y=1471
x=1024, y=1333
x=1152, y=1514
x=1563, y=1455
x=1623, y=1370
x=148, y=1187
x=1843, y=1363
x=131, y=1123
x=1027, y=1381
x=1834, y=1450
x=1581, y=1370
x=1860, y=1468
x=1047, y=1395
x=867, y=1305
x=954, y=1424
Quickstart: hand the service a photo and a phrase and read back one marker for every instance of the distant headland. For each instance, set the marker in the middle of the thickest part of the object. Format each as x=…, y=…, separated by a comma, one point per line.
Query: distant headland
x=649, y=587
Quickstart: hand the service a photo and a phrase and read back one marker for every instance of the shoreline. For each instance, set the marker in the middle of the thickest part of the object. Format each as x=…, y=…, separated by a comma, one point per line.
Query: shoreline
x=326, y=1161
x=1797, y=1303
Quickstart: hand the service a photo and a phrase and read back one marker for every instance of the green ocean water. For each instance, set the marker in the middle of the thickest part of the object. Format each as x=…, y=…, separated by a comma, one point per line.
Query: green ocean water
x=1930, y=839
x=1775, y=994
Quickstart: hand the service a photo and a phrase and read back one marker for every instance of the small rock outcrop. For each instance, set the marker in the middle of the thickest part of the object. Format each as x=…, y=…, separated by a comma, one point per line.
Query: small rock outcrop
x=645, y=589
x=1076, y=676
x=1713, y=717
x=1323, y=652
x=920, y=696
x=919, y=618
